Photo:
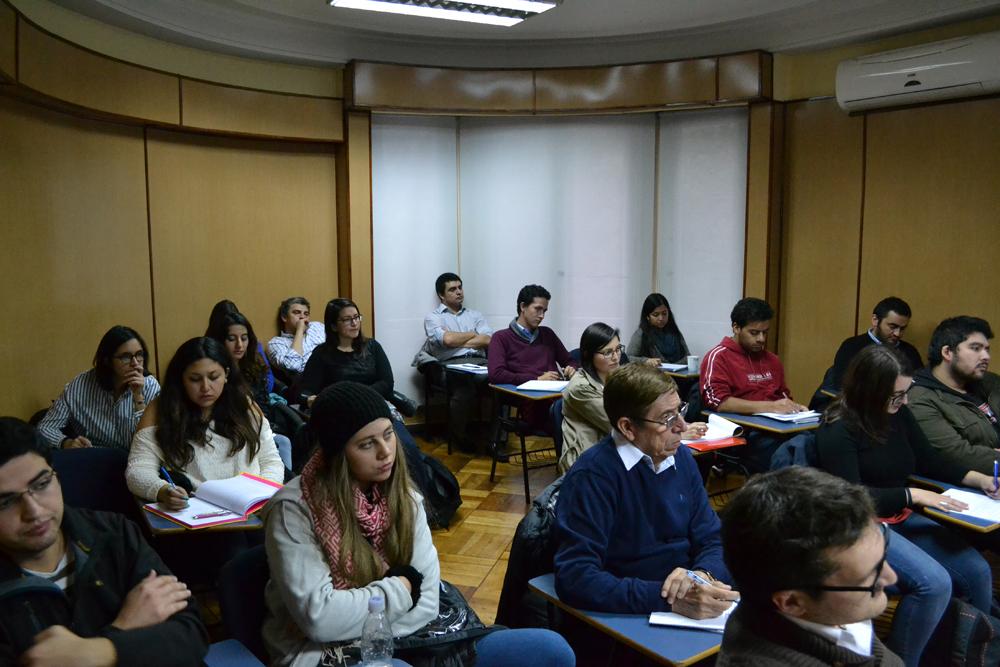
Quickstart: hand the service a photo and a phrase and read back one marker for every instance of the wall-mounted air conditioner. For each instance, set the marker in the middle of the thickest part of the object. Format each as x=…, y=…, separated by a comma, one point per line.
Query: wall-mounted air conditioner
x=962, y=67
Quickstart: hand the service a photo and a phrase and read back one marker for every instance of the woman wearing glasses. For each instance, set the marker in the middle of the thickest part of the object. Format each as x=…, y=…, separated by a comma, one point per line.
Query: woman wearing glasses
x=869, y=437
x=102, y=406
x=584, y=420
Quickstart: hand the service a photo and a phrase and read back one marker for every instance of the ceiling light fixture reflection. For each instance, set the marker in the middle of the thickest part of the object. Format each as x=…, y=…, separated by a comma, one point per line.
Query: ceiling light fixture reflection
x=492, y=12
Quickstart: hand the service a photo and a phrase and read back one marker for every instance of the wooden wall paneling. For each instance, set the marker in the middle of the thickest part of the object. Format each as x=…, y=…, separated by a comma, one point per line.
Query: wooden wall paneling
x=58, y=69
x=239, y=219
x=8, y=43
x=824, y=153
x=223, y=108
x=932, y=193
x=404, y=87
x=359, y=188
x=625, y=86
x=74, y=255
x=742, y=76
x=763, y=240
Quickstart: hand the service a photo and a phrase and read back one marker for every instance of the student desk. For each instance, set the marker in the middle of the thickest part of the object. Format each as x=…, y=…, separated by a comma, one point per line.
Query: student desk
x=509, y=395
x=683, y=374
x=765, y=423
x=160, y=526
x=678, y=647
x=968, y=522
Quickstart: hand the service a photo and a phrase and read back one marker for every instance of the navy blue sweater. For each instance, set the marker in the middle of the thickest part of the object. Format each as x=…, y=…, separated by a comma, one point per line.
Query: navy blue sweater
x=621, y=532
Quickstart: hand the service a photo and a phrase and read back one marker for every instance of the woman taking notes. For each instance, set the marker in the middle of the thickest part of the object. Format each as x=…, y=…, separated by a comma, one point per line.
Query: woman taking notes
x=869, y=437
x=351, y=528
x=204, y=424
x=657, y=339
x=102, y=406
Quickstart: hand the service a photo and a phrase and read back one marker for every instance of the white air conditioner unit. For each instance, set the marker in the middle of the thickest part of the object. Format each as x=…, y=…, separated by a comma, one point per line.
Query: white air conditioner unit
x=962, y=67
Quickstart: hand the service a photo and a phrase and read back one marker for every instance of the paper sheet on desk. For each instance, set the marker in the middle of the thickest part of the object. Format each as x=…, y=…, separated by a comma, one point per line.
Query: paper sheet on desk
x=471, y=368
x=719, y=428
x=543, y=385
x=792, y=417
x=673, y=368
x=980, y=506
x=669, y=618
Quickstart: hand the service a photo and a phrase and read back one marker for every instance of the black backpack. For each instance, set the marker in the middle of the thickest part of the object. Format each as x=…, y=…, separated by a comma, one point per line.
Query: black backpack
x=965, y=637
x=442, y=495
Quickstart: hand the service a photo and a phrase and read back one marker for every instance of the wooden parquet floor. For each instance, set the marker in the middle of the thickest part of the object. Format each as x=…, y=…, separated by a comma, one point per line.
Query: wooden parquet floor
x=474, y=549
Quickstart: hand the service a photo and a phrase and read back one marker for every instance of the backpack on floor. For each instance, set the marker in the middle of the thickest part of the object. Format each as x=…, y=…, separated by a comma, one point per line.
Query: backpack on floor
x=965, y=637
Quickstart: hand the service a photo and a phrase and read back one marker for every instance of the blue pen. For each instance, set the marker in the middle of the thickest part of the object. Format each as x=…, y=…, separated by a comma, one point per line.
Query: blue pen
x=170, y=481
x=996, y=480
x=697, y=578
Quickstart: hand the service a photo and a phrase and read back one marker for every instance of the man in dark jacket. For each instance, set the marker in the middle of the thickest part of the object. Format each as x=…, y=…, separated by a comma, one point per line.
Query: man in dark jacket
x=956, y=401
x=810, y=562
x=890, y=317
x=80, y=587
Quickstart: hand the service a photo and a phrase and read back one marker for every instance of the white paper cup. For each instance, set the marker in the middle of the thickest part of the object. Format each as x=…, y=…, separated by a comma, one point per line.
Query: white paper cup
x=693, y=362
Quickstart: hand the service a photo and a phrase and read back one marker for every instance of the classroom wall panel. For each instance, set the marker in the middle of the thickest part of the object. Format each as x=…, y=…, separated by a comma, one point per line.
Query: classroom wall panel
x=702, y=195
x=73, y=247
x=8, y=42
x=932, y=193
x=822, y=227
x=358, y=229
x=385, y=86
x=415, y=231
x=238, y=219
x=66, y=72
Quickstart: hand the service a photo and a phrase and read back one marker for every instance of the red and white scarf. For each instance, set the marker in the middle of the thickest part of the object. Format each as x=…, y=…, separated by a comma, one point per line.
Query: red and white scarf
x=372, y=516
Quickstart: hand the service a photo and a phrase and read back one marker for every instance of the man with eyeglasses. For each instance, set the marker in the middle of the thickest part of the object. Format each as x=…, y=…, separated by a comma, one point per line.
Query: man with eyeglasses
x=810, y=562
x=80, y=587
x=635, y=529
x=890, y=317
x=956, y=400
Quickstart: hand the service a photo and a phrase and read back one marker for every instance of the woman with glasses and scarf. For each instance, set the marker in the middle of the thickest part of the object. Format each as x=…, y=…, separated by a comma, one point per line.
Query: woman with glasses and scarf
x=585, y=422
x=869, y=437
x=103, y=406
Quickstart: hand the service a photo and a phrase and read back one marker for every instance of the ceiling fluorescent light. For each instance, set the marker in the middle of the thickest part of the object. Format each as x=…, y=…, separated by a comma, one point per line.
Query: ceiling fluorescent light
x=492, y=12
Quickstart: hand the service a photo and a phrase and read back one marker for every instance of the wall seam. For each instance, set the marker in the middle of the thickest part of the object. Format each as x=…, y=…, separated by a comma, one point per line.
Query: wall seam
x=656, y=204
x=149, y=246
x=458, y=195
x=861, y=217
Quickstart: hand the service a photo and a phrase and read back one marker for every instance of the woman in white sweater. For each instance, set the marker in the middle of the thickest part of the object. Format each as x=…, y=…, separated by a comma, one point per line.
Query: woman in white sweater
x=204, y=424
x=351, y=528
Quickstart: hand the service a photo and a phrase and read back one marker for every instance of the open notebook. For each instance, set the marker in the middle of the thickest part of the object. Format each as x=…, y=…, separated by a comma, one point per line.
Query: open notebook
x=792, y=417
x=221, y=501
x=721, y=433
x=672, y=619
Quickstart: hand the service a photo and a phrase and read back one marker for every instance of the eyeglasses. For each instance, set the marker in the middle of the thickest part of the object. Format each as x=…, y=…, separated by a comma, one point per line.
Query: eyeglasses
x=607, y=354
x=896, y=398
x=872, y=590
x=669, y=421
x=126, y=359
x=36, y=489
x=350, y=320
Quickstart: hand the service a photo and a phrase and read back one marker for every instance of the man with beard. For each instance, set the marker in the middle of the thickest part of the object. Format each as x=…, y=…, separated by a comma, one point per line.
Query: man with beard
x=956, y=401
x=890, y=317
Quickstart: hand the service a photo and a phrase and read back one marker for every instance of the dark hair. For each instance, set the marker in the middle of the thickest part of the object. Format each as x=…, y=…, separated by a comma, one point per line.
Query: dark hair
x=868, y=384
x=594, y=337
x=891, y=304
x=252, y=365
x=115, y=337
x=179, y=420
x=529, y=293
x=648, y=347
x=17, y=438
x=220, y=310
x=952, y=332
x=444, y=279
x=631, y=389
x=749, y=310
x=778, y=530
x=285, y=306
x=360, y=344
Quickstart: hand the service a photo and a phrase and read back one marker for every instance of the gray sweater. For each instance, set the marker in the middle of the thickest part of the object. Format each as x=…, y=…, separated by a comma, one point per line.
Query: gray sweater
x=305, y=611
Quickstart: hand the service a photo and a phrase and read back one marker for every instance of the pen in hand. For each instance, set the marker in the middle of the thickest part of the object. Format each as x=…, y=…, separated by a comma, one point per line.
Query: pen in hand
x=562, y=376
x=996, y=480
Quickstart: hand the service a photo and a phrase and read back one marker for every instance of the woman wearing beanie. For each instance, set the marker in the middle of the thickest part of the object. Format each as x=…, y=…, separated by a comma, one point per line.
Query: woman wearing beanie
x=351, y=527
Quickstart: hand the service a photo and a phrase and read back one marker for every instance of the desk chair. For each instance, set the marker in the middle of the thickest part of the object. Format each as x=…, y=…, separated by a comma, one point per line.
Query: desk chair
x=507, y=423
x=241, y=598
x=821, y=397
x=94, y=478
x=556, y=416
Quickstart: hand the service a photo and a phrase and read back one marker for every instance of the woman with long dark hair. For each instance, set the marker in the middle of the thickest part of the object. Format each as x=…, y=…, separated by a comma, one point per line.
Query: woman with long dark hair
x=235, y=332
x=204, y=424
x=352, y=528
x=657, y=339
x=869, y=437
x=103, y=406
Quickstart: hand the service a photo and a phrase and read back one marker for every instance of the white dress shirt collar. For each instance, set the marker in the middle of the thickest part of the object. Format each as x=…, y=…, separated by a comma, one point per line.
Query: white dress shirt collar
x=855, y=637
x=630, y=454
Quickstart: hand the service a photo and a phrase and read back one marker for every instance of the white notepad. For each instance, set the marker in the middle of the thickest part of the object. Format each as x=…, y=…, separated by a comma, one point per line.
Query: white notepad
x=719, y=428
x=543, y=385
x=717, y=624
x=980, y=506
x=803, y=417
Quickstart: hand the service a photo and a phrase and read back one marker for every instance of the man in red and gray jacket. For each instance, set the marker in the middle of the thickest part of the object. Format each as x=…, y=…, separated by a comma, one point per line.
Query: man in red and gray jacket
x=740, y=375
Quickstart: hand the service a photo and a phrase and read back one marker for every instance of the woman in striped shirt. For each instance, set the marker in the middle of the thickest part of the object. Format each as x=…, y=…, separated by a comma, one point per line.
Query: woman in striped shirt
x=102, y=406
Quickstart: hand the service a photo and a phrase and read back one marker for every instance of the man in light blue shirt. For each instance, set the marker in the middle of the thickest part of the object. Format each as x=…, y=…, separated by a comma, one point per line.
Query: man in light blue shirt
x=290, y=350
x=456, y=334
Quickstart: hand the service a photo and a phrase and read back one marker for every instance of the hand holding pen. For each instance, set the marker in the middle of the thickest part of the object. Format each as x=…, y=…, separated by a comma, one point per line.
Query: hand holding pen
x=172, y=497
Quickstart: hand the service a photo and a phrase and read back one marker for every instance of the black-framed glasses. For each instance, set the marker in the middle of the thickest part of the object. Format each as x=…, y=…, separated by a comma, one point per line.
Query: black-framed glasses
x=350, y=319
x=872, y=590
x=897, y=397
x=670, y=420
x=126, y=359
x=607, y=354
x=37, y=488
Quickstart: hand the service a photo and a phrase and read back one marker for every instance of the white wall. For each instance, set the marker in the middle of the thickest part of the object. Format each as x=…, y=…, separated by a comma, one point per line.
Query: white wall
x=568, y=203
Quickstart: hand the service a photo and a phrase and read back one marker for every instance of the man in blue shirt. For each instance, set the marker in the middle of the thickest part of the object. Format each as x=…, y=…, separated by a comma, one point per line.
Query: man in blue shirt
x=635, y=529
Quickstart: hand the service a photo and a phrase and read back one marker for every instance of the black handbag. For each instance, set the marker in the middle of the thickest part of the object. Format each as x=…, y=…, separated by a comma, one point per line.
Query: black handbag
x=447, y=641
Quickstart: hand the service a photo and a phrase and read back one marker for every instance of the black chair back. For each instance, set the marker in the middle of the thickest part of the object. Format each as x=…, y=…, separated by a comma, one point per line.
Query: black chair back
x=241, y=598
x=94, y=478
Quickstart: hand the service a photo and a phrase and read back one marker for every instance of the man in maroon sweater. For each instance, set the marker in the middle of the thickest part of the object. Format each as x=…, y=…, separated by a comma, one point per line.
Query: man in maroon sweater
x=740, y=375
x=526, y=350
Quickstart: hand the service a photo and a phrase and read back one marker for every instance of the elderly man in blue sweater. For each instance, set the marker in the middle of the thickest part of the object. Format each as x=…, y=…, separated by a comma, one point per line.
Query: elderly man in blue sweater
x=636, y=533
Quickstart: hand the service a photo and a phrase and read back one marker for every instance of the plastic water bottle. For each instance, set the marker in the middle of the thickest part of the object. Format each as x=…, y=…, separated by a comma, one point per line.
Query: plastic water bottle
x=376, y=636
